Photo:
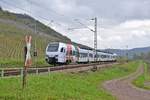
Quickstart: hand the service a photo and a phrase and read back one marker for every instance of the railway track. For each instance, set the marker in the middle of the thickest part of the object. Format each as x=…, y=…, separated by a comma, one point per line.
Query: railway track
x=6, y=72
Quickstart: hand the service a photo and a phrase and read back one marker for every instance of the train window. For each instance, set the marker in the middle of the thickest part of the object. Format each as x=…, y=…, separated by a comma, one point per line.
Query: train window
x=61, y=50
x=103, y=56
x=53, y=47
x=64, y=50
x=74, y=52
x=70, y=52
x=83, y=55
x=80, y=55
x=96, y=56
x=90, y=55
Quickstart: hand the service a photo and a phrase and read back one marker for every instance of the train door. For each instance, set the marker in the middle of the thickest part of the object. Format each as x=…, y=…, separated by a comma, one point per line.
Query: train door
x=62, y=55
x=69, y=53
x=75, y=54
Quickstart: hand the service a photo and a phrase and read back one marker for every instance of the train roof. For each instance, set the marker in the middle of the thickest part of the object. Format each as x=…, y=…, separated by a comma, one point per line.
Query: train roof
x=105, y=51
x=86, y=47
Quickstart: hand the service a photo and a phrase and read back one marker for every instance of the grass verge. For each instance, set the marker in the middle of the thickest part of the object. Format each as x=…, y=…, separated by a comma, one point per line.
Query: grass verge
x=64, y=86
x=143, y=81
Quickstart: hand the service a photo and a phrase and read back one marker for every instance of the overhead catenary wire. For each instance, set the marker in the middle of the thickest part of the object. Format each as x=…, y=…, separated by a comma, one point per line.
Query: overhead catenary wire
x=72, y=18
x=84, y=25
x=37, y=16
x=48, y=21
x=25, y=10
x=46, y=8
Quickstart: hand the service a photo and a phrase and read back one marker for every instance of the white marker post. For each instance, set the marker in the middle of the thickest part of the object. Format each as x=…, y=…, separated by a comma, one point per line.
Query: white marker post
x=27, y=56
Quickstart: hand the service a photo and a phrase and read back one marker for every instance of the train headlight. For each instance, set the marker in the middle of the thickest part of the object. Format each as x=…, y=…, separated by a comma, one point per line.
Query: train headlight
x=56, y=56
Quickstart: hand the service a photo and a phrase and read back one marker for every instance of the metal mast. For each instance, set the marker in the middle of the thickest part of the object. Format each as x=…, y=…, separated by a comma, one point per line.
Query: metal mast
x=95, y=38
x=93, y=30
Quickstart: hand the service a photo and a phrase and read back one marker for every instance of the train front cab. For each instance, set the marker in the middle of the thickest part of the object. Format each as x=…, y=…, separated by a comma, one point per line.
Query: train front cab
x=56, y=53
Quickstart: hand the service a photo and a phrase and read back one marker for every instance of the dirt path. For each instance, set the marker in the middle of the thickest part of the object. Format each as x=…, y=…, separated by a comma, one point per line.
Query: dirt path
x=124, y=90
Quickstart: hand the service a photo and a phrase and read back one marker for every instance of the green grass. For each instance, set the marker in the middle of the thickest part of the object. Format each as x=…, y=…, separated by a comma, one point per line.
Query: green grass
x=144, y=78
x=64, y=86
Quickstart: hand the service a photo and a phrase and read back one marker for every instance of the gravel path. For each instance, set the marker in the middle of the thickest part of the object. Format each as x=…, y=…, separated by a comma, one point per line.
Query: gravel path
x=124, y=90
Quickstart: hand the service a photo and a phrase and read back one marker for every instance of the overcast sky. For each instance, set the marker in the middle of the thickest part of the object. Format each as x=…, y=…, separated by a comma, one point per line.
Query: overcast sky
x=120, y=22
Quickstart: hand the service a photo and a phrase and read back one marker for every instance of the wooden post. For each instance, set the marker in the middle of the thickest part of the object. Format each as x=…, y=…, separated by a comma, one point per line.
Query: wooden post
x=24, y=77
x=21, y=72
x=24, y=69
x=27, y=58
x=48, y=69
x=37, y=71
x=2, y=73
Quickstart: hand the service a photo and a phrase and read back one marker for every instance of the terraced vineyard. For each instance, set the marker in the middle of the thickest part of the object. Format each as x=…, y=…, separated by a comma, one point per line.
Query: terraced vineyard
x=12, y=35
x=12, y=43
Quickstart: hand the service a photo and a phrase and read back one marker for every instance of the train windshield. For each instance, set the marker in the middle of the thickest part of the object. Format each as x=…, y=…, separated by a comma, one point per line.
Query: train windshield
x=53, y=47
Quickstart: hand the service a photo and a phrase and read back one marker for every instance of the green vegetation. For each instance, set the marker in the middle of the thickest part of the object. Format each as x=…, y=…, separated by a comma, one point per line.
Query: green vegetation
x=144, y=56
x=122, y=59
x=13, y=28
x=12, y=44
x=65, y=86
x=144, y=78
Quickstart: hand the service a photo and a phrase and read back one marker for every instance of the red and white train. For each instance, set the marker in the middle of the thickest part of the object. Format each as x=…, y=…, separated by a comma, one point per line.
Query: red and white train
x=62, y=53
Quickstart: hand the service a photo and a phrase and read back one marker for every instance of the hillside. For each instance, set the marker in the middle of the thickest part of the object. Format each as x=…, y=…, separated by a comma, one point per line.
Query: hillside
x=26, y=22
x=131, y=52
x=13, y=28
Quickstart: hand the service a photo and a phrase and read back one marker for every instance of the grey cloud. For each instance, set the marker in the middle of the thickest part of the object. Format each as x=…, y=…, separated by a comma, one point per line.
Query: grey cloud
x=111, y=15
x=119, y=9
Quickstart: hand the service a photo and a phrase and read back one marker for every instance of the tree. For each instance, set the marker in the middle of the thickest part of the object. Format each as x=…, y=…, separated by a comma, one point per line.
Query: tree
x=1, y=8
x=147, y=56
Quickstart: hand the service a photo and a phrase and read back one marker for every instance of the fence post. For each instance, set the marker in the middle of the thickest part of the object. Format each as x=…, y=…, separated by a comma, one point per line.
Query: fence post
x=37, y=71
x=21, y=72
x=49, y=69
x=2, y=73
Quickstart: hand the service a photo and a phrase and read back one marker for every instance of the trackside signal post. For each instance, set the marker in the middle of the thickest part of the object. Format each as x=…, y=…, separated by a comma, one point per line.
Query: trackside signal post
x=27, y=58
